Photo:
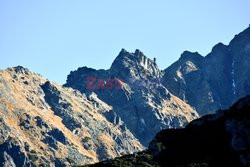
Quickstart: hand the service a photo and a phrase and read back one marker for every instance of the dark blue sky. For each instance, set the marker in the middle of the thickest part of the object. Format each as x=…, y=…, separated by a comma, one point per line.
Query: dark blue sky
x=54, y=37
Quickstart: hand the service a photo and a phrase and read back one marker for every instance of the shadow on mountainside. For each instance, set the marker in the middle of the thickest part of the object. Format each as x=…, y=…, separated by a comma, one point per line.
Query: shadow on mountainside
x=221, y=139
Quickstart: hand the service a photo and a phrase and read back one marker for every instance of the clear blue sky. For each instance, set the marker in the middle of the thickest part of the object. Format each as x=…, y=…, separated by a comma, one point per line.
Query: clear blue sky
x=53, y=37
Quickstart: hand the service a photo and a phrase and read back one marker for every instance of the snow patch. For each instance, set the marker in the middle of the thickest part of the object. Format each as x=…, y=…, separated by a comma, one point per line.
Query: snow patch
x=233, y=79
x=179, y=74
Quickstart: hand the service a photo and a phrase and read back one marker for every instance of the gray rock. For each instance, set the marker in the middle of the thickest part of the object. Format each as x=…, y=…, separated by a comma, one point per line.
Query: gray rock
x=8, y=161
x=4, y=131
x=141, y=103
x=213, y=82
x=42, y=123
x=11, y=153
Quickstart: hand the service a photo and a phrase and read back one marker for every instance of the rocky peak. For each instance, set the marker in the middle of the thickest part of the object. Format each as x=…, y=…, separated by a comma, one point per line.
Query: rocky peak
x=220, y=52
x=143, y=103
x=222, y=76
x=135, y=65
x=218, y=47
x=191, y=56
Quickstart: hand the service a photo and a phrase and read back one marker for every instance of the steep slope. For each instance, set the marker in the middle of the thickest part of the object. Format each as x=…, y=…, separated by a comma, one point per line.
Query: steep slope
x=221, y=139
x=143, y=103
x=215, y=81
x=42, y=123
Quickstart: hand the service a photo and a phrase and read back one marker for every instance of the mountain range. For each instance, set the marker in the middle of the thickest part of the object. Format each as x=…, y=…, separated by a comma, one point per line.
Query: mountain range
x=43, y=123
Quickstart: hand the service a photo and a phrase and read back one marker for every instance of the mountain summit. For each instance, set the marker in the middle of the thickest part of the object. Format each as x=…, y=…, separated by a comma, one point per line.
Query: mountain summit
x=143, y=103
x=135, y=65
x=215, y=81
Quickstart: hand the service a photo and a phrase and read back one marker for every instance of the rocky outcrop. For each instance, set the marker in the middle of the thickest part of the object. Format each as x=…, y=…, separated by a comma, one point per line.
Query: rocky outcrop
x=221, y=139
x=143, y=103
x=13, y=154
x=42, y=123
x=215, y=81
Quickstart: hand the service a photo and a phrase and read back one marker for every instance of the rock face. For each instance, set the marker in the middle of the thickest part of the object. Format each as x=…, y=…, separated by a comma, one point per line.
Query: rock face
x=42, y=123
x=143, y=103
x=221, y=139
x=215, y=81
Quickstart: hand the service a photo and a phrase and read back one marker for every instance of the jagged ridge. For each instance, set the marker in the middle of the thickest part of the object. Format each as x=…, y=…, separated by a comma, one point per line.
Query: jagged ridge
x=143, y=103
x=215, y=81
x=42, y=123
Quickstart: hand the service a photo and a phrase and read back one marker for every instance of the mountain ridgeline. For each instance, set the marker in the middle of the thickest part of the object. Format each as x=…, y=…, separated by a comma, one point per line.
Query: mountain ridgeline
x=46, y=124
x=215, y=81
x=148, y=103
x=42, y=123
x=143, y=103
